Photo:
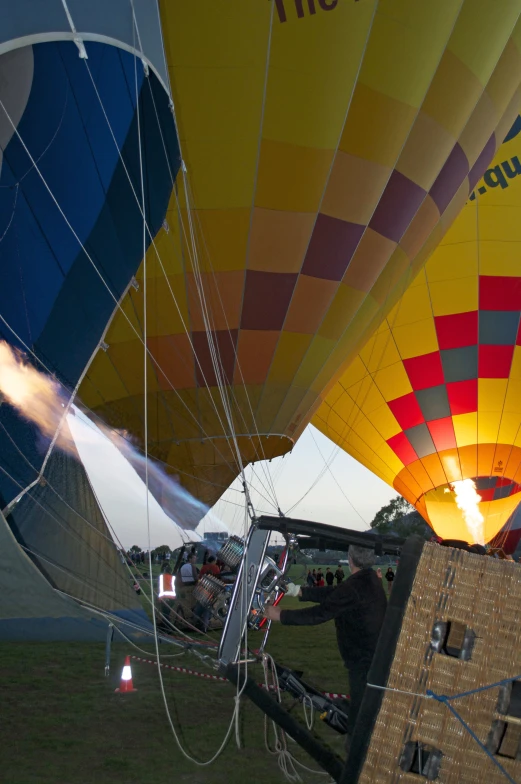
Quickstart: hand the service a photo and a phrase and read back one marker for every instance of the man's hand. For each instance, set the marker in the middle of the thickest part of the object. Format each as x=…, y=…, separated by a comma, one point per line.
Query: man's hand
x=379, y=573
x=272, y=613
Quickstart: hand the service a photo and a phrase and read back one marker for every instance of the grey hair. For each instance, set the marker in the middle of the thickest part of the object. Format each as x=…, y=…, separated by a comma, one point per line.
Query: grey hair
x=362, y=557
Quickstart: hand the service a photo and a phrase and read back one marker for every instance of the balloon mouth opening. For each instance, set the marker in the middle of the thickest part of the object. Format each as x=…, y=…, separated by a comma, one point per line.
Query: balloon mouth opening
x=476, y=510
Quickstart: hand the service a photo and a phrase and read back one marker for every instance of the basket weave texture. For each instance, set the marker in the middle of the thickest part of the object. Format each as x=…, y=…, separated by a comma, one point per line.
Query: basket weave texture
x=484, y=594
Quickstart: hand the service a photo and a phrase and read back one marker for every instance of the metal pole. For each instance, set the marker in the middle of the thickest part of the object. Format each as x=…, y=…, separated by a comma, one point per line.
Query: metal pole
x=108, y=647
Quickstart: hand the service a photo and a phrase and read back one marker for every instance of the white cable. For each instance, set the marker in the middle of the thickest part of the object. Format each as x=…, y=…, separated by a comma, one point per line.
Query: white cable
x=165, y=701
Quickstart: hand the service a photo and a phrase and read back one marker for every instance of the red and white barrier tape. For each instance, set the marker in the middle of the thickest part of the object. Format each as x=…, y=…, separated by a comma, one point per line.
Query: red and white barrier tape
x=183, y=669
x=206, y=676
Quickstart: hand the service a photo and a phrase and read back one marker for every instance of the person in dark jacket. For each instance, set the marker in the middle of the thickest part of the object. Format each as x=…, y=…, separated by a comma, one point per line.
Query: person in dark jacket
x=357, y=606
x=329, y=576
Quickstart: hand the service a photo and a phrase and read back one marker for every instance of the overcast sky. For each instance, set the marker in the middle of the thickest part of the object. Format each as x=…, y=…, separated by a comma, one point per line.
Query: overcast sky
x=345, y=494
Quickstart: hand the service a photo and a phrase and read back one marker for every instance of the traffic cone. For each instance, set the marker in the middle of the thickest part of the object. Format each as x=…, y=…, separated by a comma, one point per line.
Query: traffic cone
x=126, y=678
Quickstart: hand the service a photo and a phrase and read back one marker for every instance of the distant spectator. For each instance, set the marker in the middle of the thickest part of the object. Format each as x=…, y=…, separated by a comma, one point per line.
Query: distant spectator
x=210, y=567
x=339, y=575
x=189, y=571
x=329, y=576
x=389, y=576
x=320, y=579
x=310, y=579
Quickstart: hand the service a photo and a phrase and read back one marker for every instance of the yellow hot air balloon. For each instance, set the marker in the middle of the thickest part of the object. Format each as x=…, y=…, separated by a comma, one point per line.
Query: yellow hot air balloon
x=326, y=146
x=432, y=404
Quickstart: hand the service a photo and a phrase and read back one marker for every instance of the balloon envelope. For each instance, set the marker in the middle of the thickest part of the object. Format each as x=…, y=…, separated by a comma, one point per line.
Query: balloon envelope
x=326, y=146
x=434, y=398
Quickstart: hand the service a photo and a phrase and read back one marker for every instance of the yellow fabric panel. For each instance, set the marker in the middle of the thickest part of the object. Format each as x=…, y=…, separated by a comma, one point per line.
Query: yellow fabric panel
x=354, y=204
x=500, y=258
x=356, y=442
x=389, y=458
x=499, y=87
x=167, y=307
x=370, y=436
x=456, y=205
x=279, y=240
x=407, y=41
x=128, y=325
x=488, y=426
x=225, y=235
x=413, y=306
x=367, y=130
x=479, y=22
x=513, y=396
x=420, y=340
x=453, y=94
x=491, y=394
x=366, y=395
x=381, y=469
x=314, y=359
x=393, y=381
x=427, y=148
x=355, y=372
x=456, y=295
x=346, y=303
x=290, y=177
x=164, y=256
x=479, y=128
x=465, y=428
x=102, y=370
x=198, y=59
x=515, y=369
x=288, y=356
x=385, y=422
x=509, y=429
x=313, y=73
x=380, y=351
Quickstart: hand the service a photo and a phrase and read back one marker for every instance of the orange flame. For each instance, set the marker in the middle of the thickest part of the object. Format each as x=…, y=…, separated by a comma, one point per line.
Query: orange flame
x=34, y=395
x=38, y=398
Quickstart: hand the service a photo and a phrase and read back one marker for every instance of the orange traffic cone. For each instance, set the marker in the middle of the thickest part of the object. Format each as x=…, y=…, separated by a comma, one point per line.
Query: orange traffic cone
x=126, y=678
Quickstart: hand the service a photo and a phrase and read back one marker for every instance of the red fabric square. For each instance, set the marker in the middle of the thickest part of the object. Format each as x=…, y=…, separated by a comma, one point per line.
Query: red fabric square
x=499, y=293
x=502, y=481
x=458, y=330
x=407, y=411
x=402, y=448
x=424, y=371
x=495, y=361
x=442, y=432
x=487, y=495
x=463, y=396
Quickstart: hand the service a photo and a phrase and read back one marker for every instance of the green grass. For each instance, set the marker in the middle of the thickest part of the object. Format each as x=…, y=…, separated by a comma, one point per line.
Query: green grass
x=62, y=723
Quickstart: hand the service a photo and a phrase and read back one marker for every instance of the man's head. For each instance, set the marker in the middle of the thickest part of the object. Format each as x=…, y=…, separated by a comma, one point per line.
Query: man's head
x=192, y=558
x=328, y=569
x=211, y=559
x=360, y=557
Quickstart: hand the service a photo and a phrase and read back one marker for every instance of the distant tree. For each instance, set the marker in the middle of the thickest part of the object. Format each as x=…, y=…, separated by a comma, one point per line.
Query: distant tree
x=135, y=549
x=163, y=548
x=398, y=517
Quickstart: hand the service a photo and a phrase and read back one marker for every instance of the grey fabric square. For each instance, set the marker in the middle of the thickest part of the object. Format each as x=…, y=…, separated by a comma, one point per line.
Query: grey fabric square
x=434, y=402
x=460, y=364
x=497, y=327
x=502, y=492
x=421, y=440
x=485, y=482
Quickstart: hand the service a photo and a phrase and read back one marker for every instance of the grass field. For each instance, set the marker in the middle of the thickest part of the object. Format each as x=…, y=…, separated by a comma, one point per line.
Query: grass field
x=62, y=723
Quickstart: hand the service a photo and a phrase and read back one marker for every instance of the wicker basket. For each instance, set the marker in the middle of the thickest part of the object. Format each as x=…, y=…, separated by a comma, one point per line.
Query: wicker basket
x=471, y=594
